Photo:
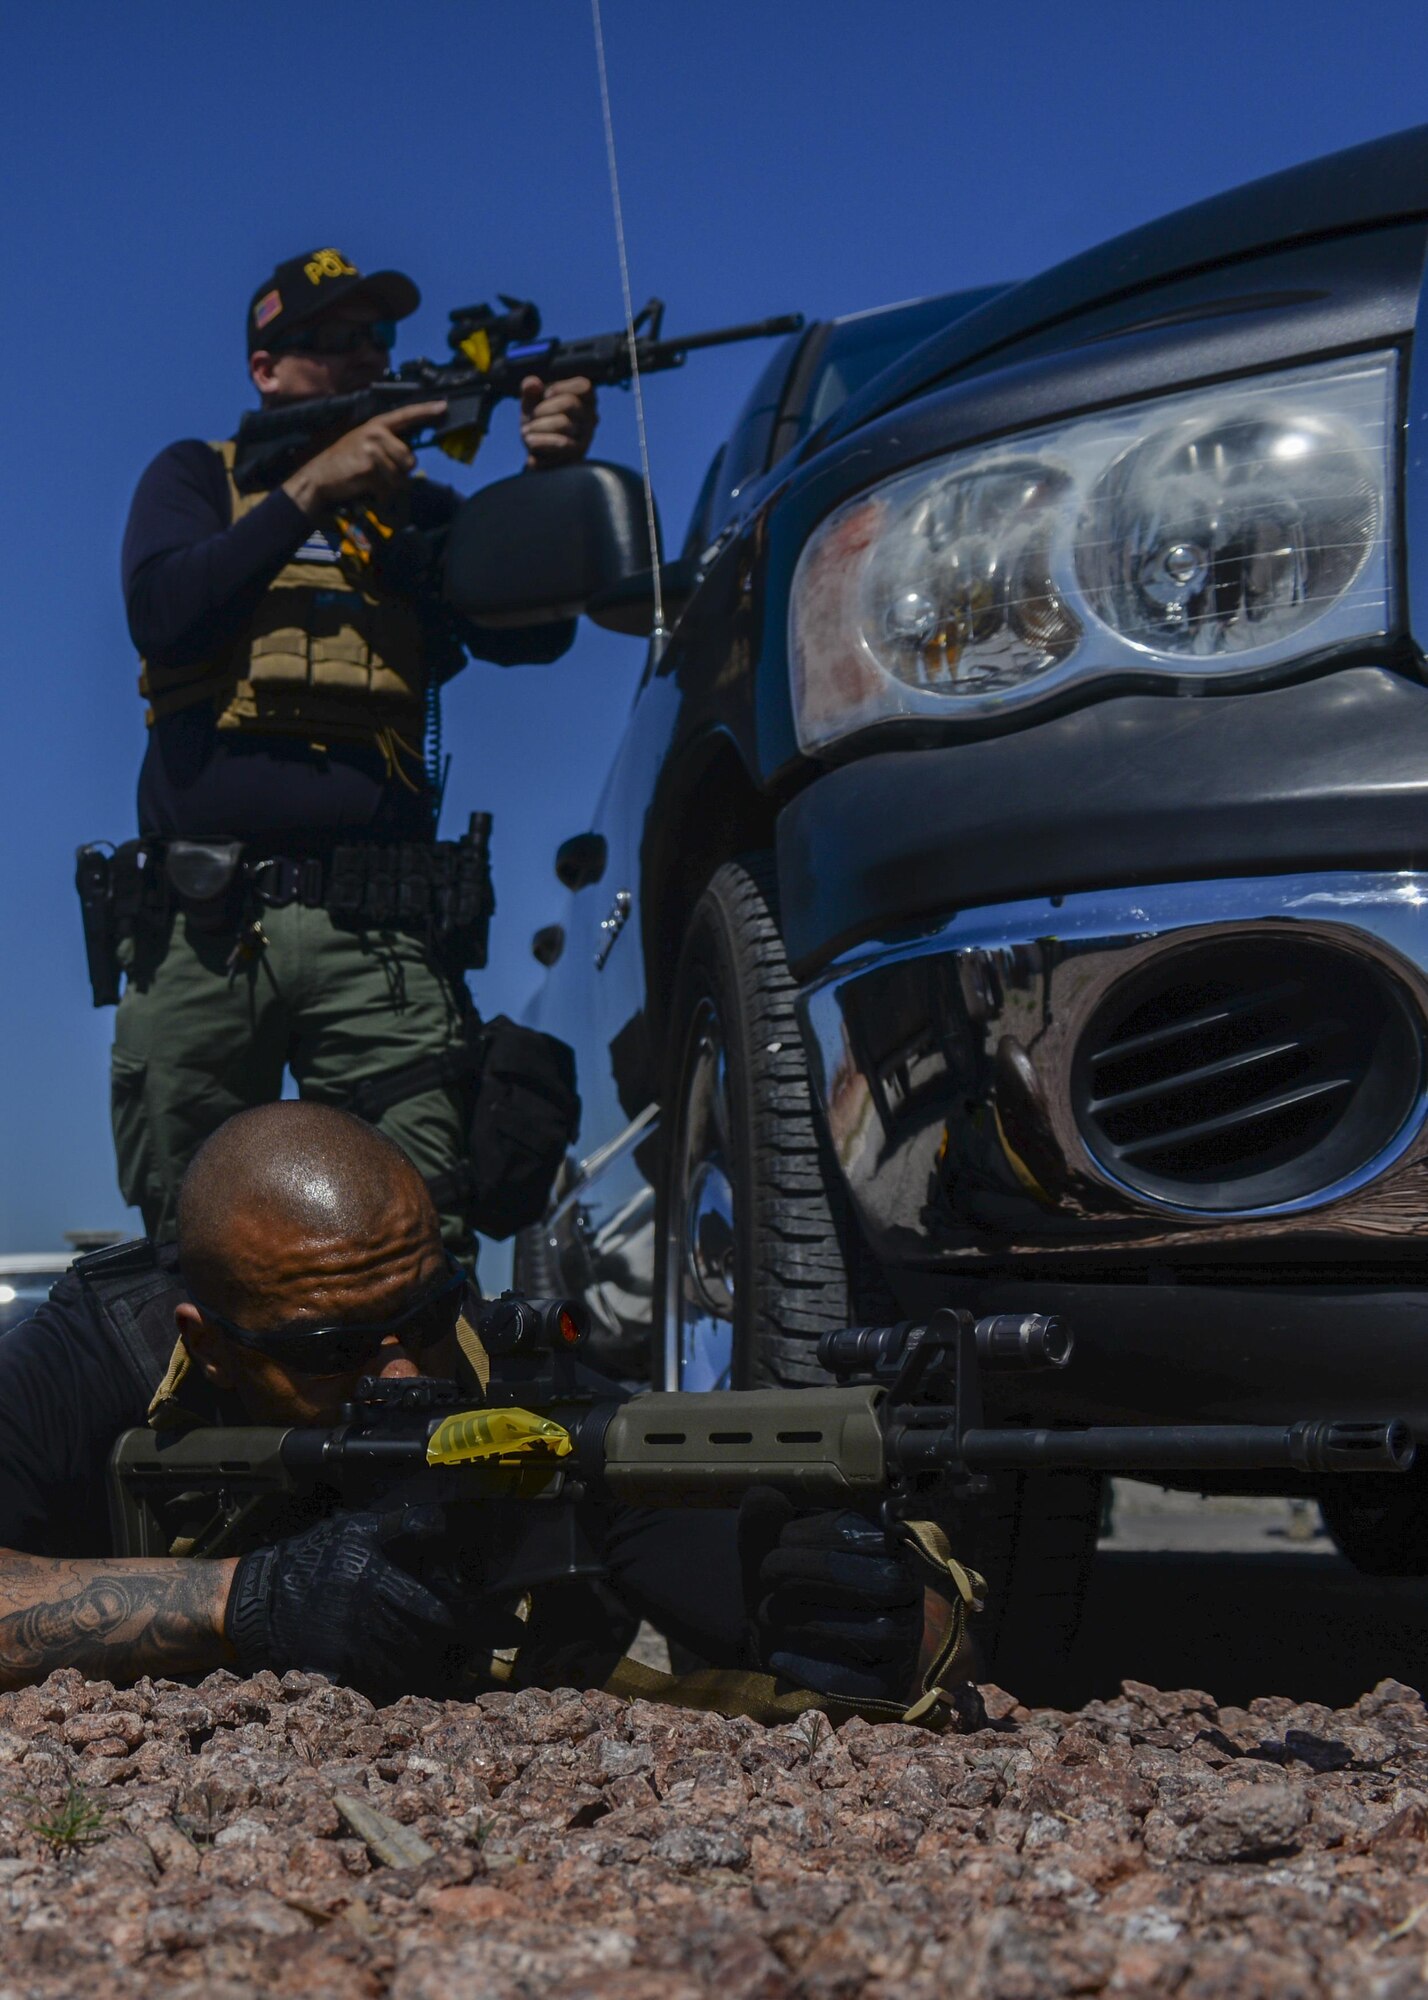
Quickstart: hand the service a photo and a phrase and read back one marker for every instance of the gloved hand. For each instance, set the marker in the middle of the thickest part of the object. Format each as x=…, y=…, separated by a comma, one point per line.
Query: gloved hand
x=332, y=1600
x=831, y=1605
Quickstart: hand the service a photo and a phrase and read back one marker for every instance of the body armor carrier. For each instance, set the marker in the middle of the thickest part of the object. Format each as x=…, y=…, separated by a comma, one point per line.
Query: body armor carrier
x=136, y=1287
x=324, y=656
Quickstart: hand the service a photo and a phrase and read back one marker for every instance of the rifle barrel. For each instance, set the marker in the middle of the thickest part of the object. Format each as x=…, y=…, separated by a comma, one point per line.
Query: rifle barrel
x=1300, y=1447
x=723, y=336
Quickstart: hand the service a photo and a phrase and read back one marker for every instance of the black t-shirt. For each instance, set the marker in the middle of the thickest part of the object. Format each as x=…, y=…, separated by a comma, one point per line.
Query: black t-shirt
x=192, y=579
x=67, y=1392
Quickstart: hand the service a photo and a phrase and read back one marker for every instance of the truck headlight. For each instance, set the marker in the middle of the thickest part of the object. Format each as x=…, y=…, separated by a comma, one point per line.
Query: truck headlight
x=1203, y=534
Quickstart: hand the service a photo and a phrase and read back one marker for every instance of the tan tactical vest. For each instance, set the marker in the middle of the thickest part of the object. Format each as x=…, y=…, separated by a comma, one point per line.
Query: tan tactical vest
x=323, y=657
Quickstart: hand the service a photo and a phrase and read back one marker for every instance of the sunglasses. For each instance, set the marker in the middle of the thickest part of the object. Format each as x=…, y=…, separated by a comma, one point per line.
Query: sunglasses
x=337, y=1350
x=340, y=338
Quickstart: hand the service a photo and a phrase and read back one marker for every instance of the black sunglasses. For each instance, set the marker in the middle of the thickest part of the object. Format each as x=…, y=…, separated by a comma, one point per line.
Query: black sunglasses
x=336, y=1350
x=340, y=338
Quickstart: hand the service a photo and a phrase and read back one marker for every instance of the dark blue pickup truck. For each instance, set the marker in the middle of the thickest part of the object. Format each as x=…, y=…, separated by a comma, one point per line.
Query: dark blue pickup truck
x=1012, y=886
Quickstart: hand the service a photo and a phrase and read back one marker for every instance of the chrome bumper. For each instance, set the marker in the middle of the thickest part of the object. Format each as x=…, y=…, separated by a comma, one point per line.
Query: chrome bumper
x=946, y=1064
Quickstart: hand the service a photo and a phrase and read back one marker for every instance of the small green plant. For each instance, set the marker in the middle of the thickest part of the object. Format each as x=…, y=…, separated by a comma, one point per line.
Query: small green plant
x=812, y=1726
x=474, y=1827
x=78, y=1822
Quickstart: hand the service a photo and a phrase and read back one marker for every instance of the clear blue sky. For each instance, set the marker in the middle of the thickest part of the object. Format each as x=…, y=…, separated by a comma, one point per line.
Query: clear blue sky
x=159, y=157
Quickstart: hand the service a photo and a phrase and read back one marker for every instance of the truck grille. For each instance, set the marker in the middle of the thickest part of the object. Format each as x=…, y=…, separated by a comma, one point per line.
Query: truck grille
x=1248, y=1073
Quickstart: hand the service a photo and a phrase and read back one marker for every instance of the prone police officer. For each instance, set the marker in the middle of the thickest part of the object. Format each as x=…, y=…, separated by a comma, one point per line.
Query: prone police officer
x=287, y=903
x=308, y=1255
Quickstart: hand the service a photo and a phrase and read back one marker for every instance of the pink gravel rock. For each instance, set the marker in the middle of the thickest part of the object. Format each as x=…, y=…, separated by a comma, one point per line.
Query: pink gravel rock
x=1153, y=1844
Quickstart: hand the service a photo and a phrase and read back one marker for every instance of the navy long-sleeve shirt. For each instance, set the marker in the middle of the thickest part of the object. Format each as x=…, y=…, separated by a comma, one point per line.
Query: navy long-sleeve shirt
x=192, y=578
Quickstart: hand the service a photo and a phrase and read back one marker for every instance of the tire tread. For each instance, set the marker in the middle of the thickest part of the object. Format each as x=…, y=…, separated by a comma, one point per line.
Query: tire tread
x=799, y=1280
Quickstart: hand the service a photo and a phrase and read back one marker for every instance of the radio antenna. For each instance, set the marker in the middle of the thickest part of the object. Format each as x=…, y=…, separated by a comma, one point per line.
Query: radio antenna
x=658, y=634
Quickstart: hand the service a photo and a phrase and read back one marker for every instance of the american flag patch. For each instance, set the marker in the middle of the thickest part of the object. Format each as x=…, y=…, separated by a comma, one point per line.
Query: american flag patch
x=268, y=307
x=317, y=549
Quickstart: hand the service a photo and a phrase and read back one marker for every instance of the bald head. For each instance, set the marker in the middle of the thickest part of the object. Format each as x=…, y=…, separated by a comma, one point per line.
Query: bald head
x=288, y=1189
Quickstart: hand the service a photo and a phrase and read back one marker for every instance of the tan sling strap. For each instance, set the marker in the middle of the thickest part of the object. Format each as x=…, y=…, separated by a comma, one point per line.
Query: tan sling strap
x=732, y=1691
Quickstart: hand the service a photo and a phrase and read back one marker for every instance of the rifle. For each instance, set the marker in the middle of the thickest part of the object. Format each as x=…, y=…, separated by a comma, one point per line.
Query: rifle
x=497, y=351
x=899, y=1432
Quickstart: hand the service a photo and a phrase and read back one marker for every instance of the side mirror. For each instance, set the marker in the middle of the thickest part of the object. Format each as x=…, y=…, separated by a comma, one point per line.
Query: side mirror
x=628, y=606
x=580, y=861
x=539, y=546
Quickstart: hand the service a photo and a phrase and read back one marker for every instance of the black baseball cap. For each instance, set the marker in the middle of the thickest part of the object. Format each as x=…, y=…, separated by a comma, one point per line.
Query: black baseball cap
x=305, y=286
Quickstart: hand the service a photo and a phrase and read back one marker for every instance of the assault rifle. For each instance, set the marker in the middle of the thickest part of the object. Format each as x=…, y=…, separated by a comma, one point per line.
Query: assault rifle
x=899, y=1432
x=496, y=352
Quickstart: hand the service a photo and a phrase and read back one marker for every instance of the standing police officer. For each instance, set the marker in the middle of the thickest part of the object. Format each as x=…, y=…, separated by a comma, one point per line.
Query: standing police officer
x=287, y=903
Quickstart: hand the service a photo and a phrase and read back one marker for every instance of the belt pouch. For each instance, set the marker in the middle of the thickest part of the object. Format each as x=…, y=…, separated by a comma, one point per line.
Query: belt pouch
x=414, y=885
x=347, y=883
x=203, y=875
x=379, y=897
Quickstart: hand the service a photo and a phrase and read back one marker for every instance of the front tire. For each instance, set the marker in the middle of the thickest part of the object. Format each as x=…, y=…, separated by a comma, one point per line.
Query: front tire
x=749, y=1266
x=1383, y=1531
x=535, y=1267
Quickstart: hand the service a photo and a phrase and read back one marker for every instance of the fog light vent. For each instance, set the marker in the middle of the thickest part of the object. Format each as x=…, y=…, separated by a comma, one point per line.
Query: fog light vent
x=1242, y=1074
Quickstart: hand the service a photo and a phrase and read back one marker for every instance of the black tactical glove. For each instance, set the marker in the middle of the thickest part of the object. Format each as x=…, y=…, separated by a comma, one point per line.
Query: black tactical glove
x=831, y=1606
x=333, y=1601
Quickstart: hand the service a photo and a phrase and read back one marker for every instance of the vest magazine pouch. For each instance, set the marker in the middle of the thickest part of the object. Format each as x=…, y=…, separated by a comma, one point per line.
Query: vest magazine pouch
x=344, y=659
x=325, y=655
x=202, y=875
x=278, y=666
x=525, y=1115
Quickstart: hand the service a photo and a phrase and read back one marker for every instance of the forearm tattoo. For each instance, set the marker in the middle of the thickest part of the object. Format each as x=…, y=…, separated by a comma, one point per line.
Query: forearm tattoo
x=113, y=1620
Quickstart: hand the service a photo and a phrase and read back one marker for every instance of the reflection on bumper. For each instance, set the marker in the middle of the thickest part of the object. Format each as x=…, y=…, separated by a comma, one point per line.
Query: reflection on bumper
x=946, y=1063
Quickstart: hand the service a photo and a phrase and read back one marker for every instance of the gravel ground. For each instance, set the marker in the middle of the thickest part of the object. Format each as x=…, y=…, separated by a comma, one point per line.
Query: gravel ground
x=1150, y=1844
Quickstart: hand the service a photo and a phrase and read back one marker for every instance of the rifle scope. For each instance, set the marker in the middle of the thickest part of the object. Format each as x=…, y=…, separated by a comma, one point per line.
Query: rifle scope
x=511, y=1325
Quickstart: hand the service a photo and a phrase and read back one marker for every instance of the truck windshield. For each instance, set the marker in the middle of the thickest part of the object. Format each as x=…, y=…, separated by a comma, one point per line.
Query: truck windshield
x=860, y=348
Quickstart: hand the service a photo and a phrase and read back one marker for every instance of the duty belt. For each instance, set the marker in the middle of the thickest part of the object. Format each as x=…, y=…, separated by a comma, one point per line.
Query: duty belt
x=415, y=885
x=279, y=879
x=440, y=889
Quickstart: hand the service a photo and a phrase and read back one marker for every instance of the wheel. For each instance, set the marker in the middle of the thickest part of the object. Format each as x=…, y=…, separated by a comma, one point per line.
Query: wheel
x=1381, y=1533
x=749, y=1266
x=535, y=1268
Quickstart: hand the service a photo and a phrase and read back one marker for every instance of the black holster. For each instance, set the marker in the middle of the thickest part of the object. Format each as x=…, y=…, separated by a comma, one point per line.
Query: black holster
x=93, y=878
x=122, y=895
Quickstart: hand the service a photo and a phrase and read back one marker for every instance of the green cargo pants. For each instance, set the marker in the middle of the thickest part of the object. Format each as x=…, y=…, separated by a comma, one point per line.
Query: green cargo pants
x=336, y=1005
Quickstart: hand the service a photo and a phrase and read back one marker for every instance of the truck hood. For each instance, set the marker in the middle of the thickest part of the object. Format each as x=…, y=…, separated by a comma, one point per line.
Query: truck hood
x=1383, y=181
